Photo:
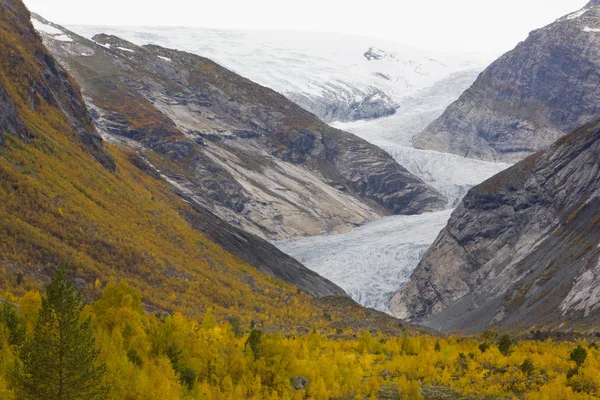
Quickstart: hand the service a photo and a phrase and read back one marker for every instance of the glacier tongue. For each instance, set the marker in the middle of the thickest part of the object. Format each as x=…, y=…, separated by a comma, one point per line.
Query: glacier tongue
x=371, y=262
x=450, y=174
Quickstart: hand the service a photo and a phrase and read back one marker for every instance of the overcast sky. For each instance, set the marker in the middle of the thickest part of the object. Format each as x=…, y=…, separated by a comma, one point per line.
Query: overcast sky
x=450, y=25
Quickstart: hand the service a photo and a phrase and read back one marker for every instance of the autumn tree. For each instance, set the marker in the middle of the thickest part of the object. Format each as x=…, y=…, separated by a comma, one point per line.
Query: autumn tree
x=59, y=360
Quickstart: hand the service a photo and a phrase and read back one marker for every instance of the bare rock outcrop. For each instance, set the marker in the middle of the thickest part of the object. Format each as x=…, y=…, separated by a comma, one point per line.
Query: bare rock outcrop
x=521, y=250
x=528, y=98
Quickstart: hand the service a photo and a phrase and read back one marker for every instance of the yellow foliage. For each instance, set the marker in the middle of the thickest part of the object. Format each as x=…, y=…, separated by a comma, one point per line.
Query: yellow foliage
x=175, y=357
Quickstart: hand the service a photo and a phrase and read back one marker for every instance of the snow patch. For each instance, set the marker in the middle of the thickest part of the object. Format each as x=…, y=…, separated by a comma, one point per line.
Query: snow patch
x=45, y=28
x=126, y=49
x=576, y=14
x=49, y=30
x=62, y=38
x=164, y=58
x=588, y=29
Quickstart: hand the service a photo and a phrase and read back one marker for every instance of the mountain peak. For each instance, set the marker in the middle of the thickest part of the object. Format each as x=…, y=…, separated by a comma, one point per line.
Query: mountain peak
x=593, y=3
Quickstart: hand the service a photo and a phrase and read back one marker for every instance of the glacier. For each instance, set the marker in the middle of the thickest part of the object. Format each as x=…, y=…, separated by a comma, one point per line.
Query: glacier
x=337, y=77
x=373, y=261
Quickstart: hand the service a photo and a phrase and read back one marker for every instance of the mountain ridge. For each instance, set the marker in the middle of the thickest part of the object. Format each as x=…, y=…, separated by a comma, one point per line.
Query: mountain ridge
x=337, y=77
x=247, y=153
x=529, y=97
x=62, y=202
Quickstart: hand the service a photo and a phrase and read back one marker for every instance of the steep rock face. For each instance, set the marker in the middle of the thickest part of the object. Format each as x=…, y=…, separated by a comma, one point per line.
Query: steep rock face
x=521, y=250
x=66, y=196
x=548, y=85
x=47, y=84
x=245, y=152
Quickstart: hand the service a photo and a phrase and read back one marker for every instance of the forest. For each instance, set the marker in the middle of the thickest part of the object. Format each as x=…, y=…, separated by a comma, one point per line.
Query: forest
x=53, y=345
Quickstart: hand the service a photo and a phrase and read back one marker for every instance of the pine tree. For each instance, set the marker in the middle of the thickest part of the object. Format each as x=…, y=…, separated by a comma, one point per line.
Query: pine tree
x=578, y=355
x=505, y=345
x=59, y=360
x=9, y=318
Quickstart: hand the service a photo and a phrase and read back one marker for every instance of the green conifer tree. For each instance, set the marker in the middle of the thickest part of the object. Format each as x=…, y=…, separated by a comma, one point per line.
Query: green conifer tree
x=59, y=361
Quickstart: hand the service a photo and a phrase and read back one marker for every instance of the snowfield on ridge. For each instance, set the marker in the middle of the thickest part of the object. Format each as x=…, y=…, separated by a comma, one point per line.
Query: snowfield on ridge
x=337, y=77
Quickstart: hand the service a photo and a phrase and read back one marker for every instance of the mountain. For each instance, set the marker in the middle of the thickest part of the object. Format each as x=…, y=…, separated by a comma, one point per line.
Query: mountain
x=529, y=97
x=337, y=77
x=245, y=152
x=521, y=251
x=67, y=196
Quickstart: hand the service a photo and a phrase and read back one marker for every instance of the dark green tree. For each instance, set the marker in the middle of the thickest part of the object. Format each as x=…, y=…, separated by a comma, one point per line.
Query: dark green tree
x=505, y=345
x=483, y=347
x=578, y=355
x=134, y=358
x=59, y=361
x=9, y=318
x=253, y=342
x=527, y=367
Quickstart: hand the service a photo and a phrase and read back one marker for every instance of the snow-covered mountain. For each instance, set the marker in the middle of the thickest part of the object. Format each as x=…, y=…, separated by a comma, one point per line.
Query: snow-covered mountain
x=337, y=77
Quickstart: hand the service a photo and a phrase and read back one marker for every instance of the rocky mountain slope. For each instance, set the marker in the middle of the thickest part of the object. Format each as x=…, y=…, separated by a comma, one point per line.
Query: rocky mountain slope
x=243, y=151
x=65, y=196
x=521, y=251
x=527, y=99
x=337, y=77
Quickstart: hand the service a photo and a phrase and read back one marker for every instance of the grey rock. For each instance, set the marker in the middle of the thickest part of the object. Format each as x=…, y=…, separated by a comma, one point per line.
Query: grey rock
x=522, y=249
x=246, y=134
x=332, y=106
x=260, y=254
x=9, y=119
x=299, y=382
x=528, y=98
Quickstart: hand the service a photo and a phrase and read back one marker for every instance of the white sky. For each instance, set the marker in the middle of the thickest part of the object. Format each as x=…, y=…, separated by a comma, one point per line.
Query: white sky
x=447, y=25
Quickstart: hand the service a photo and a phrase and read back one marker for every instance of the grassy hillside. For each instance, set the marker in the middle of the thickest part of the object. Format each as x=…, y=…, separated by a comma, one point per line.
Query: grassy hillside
x=65, y=197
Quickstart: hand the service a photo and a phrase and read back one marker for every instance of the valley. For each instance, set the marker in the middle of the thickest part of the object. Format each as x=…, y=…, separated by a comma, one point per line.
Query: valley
x=371, y=262
x=223, y=214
